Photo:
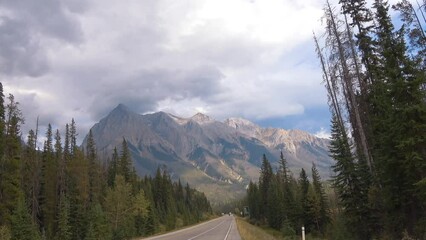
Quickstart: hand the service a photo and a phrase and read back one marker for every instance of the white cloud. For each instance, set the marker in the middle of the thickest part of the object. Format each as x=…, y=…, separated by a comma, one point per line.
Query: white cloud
x=323, y=133
x=226, y=58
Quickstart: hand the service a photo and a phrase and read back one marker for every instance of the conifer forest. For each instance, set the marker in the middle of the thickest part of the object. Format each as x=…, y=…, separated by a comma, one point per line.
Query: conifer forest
x=375, y=76
x=64, y=191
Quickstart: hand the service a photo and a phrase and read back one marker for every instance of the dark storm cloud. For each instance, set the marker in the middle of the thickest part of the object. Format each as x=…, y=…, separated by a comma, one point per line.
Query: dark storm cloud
x=146, y=88
x=79, y=59
x=20, y=52
x=50, y=17
x=24, y=25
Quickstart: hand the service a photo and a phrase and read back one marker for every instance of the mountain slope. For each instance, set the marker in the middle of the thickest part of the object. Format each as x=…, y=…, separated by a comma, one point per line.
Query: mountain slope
x=219, y=158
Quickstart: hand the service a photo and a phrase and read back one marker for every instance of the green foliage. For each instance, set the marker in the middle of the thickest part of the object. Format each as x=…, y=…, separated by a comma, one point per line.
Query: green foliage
x=287, y=229
x=99, y=228
x=112, y=168
x=5, y=233
x=303, y=188
x=324, y=211
x=118, y=205
x=264, y=183
x=22, y=226
x=124, y=164
x=290, y=204
x=95, y=183
x=63, y=220
x=10, y=161
x=48, y=195
x=275, y=208
x=253, y=199
x=379, y=174
x=61, y=192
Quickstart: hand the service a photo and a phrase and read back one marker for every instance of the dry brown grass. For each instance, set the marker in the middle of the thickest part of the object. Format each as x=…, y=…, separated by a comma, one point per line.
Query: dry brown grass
x=251, y=232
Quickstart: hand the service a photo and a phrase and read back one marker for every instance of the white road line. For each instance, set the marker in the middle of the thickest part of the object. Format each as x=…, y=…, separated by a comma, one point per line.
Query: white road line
x=207, y=231
x=229, y=230
x=178, y=231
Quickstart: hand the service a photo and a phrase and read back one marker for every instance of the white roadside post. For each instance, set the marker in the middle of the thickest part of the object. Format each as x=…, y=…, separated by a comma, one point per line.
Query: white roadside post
x=303, y=233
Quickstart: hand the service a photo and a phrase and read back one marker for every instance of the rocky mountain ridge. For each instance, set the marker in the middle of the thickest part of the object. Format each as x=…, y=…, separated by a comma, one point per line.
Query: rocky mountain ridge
x=219, y=158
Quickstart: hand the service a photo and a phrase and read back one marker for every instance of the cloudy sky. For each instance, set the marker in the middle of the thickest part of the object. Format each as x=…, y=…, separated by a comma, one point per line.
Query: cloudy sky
x=225, y=58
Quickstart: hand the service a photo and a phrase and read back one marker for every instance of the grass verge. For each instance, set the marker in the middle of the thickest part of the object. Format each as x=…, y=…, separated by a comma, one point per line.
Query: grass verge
x=251, y=232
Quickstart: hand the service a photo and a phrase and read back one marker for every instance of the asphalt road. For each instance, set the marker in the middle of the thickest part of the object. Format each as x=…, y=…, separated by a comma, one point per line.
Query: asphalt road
x=223, y=228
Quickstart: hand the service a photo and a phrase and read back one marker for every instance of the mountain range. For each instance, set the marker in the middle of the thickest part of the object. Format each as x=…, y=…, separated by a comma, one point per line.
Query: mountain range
x=218, y=158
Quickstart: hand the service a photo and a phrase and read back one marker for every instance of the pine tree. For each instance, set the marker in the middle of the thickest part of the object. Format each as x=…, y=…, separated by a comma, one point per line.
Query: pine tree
x=63, y=219
x=264, y=183
x=400, y=127
x=275, y=213
x=253, y=198
x=23, y=227
x=283, y=170
x=118, y=208
x=48, y=190
x=314, y=209
x=73, y=137
x=2, y=121
x=112, y=168
x=60, y=163
x=94, y=169
x=347, y=182
x=169, y=202
x=10, y=162
x=362, y=19
x=31, y=171
x=124, y=165
x=414, y=29
x=324, y=214
x=79, y=195
x=303, y=189
x=99, y=228
x=67, y=154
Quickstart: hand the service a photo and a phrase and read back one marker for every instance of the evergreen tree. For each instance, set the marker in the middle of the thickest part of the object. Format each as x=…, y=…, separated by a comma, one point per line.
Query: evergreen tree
x=324, y=213
x=23, y=227
x=73, y=137
x=2, y=121
x=314, y=209
x=94, y=173
x=63, y=219
x=400, y=142
x=124, y=165
x=48, y=194
x=415, y=30
x=275, y=213
x=283, y=170
x=60, y=163
x=99, y=228
x=264, y=183
x=347, y=182
x=253, y=199
x=112, y=168
x=31, y=171
x=67, y=154
x=10, y=162
x=118, y=208
x=303, y=189
x=362, y=19
x=79, y=195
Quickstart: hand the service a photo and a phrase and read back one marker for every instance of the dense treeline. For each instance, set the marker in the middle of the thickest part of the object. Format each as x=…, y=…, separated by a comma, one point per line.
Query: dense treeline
x=67, y=192
x=286, y=203
x=375, y=76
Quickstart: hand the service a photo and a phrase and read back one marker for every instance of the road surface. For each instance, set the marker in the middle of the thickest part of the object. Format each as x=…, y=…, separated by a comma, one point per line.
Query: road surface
x=223, y=228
